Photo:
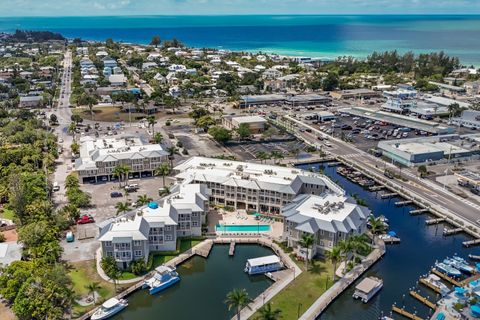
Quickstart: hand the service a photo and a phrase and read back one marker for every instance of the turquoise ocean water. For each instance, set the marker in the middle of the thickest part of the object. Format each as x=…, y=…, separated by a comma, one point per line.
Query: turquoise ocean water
x=313, y=35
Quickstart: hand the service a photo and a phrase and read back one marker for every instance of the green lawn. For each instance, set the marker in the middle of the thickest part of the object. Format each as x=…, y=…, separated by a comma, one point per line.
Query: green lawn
x=185, y=244
x=7, y=213
x=300, y=294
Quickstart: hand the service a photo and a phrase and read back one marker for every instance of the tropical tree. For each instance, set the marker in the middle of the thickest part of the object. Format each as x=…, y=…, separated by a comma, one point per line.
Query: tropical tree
x=163, y=170
x=359, y=244
x=92, y=287
x=158, y=138
x=334, y=255
x=306, y=242
x=277, y=155
x=243, y=131
x=164, y=191
x=143, y=200
x=376, y=226
x=122, y=207
x=72, y=129
x=263, y=156
x=110, y=267
x=453, y=109
x=121, y=172
x=171, y=154
x=268, y=313
x=238, y=299
x=220, y=134
x=151, y=121
x=155, y=41
x=345, y=247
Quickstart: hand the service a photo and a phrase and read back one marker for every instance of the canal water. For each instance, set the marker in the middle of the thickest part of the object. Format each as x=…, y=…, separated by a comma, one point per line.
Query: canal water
x=402, y=264
x=201, y=292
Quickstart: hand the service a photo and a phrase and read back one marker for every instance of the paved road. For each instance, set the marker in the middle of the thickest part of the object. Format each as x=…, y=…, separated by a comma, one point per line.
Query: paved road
x=429, y=190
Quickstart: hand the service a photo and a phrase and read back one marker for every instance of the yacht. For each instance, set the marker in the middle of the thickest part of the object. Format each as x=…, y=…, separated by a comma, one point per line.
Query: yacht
x=459, y=265
x=437, y=282
x=464, y=264
x=451, y=271
x=163, y=278
x=109, y=308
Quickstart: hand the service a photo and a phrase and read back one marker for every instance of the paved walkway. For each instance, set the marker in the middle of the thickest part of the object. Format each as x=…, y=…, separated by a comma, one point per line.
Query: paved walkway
x=334, y=291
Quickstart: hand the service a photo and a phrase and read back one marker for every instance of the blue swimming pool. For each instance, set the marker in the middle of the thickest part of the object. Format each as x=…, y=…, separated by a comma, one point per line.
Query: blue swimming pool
x=242, y=228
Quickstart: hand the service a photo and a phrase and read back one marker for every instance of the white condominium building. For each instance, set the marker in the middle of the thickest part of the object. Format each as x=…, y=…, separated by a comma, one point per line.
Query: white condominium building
x=155, y=227
x=99, y=157
x=251, y=186
x=328, y=217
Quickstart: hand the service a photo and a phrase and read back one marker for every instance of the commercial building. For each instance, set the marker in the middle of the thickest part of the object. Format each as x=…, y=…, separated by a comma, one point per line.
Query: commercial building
x=256, y=123
x=469, y=119
x=279, y=99
x=155, y=227
x=31, y=102
x=445, y=102
x=99, y=157
x=428, y=150
x=354, y=93
x=251, y=186
x=330, y=218
x=447, y=88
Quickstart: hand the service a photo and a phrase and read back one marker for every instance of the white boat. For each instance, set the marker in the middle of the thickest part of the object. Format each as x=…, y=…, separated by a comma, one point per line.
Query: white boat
x=367, y=288
x=437, y=282
x=163, y=278
x=449, y=270
x=109, y=308
x=462, y=265
x=263, y=264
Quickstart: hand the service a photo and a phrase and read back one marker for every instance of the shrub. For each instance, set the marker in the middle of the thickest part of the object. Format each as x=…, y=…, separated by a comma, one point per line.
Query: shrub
x=2, y=237
x=138, y=267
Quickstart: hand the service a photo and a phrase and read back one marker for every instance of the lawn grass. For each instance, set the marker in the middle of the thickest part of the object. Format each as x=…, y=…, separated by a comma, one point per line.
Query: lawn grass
x=300, y=294
x=109, y=114
x=7, y=214
x=185, y=244
x=84, y=273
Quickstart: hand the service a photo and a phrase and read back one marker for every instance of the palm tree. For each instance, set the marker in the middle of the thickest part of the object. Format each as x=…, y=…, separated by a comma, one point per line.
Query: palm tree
x=158, y=138
x=277, y=155
x=171, y=154
x=163, y=170
x=164, y=191
x=118, y=172
x=122, y=207
x=238, y=299
x=359, y=244
x=151, y=123
x=72, y=128
x=306, y=242
x=267, y=313
x=143, y=200
x=334, y=255
x=345, y=249
x=92, y=287
x=263, y=156
x=376, y=226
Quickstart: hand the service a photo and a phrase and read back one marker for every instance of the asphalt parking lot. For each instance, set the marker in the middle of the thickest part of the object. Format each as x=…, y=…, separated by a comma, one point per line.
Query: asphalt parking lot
x=250, y=151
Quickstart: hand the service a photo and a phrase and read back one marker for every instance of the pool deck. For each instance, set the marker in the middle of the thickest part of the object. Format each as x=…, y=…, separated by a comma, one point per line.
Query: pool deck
x=240, y=217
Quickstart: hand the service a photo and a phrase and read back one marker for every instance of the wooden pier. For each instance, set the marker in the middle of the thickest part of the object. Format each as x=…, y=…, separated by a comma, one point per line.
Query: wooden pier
x=430, y=285
x=429, y=222
x=423, y=300
x=388, y=195
x=471, y=243
x=403, y=203
x=418, y=211
x=406, y=314
x=392, y=240
x=204, y=250
x=474, y=257
x=231, y=250
x=449, y=232
x=447, y=278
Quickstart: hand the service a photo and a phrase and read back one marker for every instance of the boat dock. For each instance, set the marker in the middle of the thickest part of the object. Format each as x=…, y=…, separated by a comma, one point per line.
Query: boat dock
x=405, y=313
x=429, y=222
x=474, y=257
x=204, y=250
x=418, y=211
x=471, y=243
x=376, y=188
x=403, y=203
x=388, y=195
x=449, y=232
x=392, y=240
x=423, y=300
x=231, y=250
x=430, y=285
x=446, y=278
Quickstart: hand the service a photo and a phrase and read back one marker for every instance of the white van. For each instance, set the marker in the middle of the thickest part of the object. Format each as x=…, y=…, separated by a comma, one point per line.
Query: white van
x=56, y=187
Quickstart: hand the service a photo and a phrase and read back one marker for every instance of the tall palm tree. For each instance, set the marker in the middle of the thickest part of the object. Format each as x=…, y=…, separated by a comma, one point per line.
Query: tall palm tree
x=118, y=172
x=334, y=255
x=277, y=155
x=238, y=299
x=345, y=246
x=122, y=207
x=359, y=244
x=92, y=287
x=376, y=226
x=306, y=242
x=164, y=191
x=163, y=170
x=158, y=138
x=171, y=154
x=143, y=200
x=263, y=156
x=72, y=129
x=267, y=313
x=151, y=121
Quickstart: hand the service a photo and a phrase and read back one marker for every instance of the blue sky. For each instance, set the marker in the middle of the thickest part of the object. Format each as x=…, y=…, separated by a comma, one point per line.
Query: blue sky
x=213, y=7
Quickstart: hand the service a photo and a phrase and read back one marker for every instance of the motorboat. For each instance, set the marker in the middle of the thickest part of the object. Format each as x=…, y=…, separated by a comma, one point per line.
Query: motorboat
x=435, y=280
x=445, y=268
x=461, y=264
x=109, y=308
x=263, y=265
x=367, y=288
x=163, y=278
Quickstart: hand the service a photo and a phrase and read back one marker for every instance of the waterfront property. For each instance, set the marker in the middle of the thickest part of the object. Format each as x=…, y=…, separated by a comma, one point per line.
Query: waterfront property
x=156, y=226
x=251, y=186
x=329, y=218
x=99, y=157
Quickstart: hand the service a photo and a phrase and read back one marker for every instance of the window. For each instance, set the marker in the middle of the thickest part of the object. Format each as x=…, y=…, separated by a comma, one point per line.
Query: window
x=194, y=223
x=137, y=243
x=168, y=237
x=109, y=254
x=108, y=243
x=168, y=228
x=138, y=253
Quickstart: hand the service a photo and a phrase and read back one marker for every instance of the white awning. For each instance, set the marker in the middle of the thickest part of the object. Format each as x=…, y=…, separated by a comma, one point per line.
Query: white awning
x=263, y=261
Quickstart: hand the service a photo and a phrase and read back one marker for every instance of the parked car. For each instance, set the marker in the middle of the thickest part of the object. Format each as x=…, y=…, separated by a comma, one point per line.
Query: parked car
x=116, y=194
x=84, y=219
x=70, y=237
x=346, y=127
x=132, y=187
